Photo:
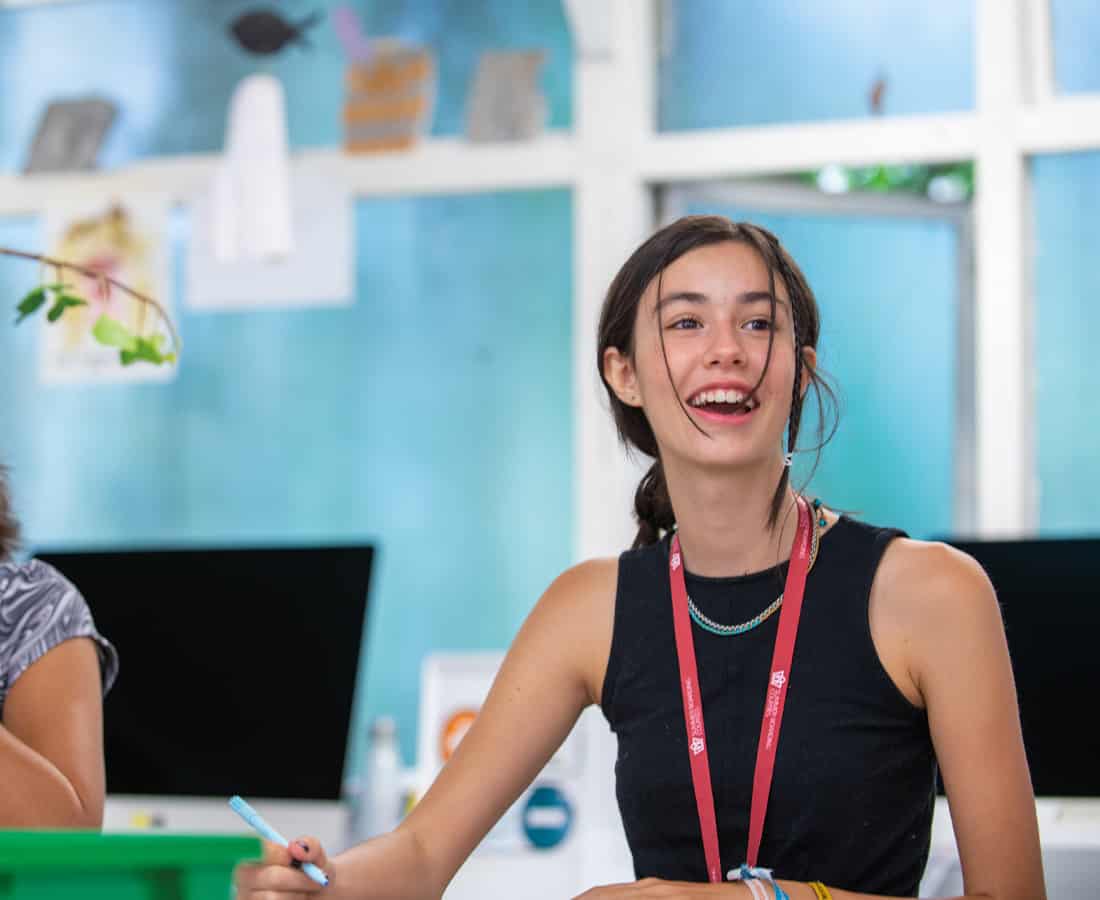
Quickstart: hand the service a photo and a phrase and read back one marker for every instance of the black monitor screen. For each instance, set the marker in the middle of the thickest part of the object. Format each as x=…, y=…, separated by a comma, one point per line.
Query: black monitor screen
x=237, y=666
x=1051, y=607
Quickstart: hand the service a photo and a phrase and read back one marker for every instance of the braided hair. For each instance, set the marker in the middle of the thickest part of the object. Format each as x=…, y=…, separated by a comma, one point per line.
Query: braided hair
x=652, y=505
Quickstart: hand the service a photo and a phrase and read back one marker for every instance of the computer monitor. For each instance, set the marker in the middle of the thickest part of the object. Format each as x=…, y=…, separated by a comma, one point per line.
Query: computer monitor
x=1050, y=601
x=237, y=666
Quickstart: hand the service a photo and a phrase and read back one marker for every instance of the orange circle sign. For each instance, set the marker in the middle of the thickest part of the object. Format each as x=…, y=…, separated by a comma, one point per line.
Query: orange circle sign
x=454, y=731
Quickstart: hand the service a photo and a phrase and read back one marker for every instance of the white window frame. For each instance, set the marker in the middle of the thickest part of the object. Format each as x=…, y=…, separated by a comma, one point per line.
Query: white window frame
x=1017, y=114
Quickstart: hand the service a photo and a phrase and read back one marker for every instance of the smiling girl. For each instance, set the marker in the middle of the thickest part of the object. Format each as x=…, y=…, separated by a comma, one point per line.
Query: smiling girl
x=782, y=680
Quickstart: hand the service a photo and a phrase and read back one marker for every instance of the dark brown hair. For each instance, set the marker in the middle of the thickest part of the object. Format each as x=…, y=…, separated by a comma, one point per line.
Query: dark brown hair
x=652, y=505
x=9, y=527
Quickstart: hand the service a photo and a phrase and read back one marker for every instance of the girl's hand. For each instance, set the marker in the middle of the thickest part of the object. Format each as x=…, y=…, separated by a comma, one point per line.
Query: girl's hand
x=279, y=875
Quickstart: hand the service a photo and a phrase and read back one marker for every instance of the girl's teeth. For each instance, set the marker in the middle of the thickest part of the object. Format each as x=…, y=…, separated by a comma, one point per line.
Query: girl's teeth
x=723, y=396
x=719, y=396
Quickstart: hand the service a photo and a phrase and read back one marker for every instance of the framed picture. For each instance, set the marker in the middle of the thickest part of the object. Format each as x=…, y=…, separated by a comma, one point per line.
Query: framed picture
x=70, y=135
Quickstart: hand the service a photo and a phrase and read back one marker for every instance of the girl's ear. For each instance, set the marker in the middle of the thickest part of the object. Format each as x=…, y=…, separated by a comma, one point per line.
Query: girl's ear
x=618, y=370
x=809, y=365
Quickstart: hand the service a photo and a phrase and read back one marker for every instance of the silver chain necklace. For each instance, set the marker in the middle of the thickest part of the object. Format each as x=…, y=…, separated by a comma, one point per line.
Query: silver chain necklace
x=708, y=624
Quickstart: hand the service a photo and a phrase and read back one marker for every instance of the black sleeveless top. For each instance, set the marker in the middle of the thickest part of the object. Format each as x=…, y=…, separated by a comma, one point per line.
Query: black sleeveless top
x=854, y=784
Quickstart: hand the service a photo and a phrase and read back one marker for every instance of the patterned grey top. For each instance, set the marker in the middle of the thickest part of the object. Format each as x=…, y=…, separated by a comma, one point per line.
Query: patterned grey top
x=40, y=608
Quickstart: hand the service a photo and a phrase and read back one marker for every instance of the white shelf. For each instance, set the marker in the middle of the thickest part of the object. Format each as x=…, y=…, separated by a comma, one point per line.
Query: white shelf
x=436, y=166
x=454, y=165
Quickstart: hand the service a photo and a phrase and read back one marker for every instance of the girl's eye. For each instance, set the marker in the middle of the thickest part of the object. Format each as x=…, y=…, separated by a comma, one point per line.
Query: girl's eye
x=686, y=322
x=759, y=324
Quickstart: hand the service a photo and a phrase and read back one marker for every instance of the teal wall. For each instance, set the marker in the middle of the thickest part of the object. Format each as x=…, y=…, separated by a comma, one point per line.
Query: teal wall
x=1066, y=325
x=432, y=417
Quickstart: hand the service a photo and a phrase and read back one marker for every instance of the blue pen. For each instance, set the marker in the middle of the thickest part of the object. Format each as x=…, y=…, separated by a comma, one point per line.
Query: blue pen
x=254, y=819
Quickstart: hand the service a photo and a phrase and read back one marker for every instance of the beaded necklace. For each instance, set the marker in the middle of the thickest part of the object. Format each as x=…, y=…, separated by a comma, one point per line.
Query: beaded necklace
x=818, y=519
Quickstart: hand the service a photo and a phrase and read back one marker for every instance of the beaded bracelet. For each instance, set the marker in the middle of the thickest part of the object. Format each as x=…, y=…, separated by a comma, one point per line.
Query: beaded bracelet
x=820, y=891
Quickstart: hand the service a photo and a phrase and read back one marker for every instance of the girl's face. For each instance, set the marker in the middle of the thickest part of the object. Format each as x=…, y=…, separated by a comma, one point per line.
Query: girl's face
x=715, y=316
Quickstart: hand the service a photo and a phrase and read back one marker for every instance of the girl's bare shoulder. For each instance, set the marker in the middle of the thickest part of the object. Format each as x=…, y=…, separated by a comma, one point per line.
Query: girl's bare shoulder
x=929, y=575
x=591, y=581
x=579, y=608
x=926, y=597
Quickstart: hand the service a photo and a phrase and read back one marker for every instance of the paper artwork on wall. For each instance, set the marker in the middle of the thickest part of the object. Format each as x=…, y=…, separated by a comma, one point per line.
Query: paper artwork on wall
x=318, y=271
x=123, y=242
x=389, y=98
x=505, y=103
x=70, y=134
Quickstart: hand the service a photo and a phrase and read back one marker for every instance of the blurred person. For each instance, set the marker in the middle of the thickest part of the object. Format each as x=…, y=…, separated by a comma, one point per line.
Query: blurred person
x=742, y=606
x=54, y=670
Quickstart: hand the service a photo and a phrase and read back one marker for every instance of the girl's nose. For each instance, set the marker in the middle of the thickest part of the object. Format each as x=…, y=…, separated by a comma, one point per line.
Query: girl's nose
x=726, y=348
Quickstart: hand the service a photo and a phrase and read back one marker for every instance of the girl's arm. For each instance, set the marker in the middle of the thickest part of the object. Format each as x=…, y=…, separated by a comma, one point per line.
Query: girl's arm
x=958, y=660
x=553, y=670
x=51, y=742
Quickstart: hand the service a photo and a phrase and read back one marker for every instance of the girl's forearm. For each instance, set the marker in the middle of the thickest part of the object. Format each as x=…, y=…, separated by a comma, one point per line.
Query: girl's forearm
x=393, y=865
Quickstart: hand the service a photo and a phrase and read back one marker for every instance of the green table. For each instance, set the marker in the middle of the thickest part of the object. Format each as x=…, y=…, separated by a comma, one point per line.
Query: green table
x=85, y=865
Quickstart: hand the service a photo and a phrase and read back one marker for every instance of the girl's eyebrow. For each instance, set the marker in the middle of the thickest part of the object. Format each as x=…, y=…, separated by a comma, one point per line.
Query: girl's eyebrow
x=697, y=297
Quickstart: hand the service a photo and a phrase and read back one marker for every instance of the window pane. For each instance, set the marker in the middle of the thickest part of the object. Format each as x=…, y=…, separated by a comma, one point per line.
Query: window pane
x=171, y=67
x=1076, y=32
x=434, y=416
x=729, y=64
x=888, y=289
x=1067, y=320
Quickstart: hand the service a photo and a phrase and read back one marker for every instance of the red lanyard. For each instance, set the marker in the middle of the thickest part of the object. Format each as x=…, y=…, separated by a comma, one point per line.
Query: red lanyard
x=773, y=702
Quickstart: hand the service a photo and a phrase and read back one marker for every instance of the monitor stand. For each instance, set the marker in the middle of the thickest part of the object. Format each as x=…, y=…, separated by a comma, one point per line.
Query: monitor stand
x=322, y=819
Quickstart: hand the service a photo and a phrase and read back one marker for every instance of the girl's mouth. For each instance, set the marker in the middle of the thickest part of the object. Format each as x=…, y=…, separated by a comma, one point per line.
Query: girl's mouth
x=729, y=406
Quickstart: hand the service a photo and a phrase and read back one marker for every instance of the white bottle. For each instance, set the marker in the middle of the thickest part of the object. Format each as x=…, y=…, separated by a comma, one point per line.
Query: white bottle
x=382, y=779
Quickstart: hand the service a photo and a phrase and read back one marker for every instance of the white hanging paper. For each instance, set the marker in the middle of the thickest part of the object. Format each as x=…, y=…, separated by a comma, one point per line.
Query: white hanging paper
x=318, y=271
